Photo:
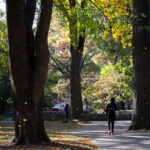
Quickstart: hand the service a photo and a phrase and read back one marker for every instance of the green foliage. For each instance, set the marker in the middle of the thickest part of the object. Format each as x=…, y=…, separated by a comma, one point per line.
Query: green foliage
x=114, y=79
x=4, y=77
x=3, y=48
x=75, y=120
x=107, y=68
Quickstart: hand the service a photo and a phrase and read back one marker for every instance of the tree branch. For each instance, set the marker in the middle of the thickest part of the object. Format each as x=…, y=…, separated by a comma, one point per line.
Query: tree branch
x=44, y=21
x=60, y=69
x=30, y=7
x=41, y=43
x=72, y=3
x=67, y=69
x=95, y=5
x=63, y=9
x=41, y=49
x=82, y=63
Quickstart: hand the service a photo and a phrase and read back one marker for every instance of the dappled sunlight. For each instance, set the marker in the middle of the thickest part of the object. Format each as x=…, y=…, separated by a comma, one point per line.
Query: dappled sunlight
x=121, y=139
x=7, y=132
x=64, y=134
x=78, y=132
x=59, y=133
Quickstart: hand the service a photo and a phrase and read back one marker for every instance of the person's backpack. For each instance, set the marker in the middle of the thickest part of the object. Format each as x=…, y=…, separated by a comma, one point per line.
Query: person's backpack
x=111, y=110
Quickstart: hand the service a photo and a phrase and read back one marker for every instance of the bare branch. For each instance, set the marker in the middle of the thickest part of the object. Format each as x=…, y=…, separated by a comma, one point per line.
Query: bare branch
x=67, y=76
x=82, y=63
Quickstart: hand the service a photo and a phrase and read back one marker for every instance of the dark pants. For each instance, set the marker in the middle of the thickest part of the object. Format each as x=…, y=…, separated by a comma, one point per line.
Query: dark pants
x=111, y=122
x=67, y=115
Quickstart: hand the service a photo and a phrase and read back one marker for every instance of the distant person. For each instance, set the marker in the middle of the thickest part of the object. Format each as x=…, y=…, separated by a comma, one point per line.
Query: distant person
x=67, y=111
x=110, y=112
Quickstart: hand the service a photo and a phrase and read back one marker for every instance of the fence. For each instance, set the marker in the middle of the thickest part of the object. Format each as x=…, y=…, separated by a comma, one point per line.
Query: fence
x=56, y=116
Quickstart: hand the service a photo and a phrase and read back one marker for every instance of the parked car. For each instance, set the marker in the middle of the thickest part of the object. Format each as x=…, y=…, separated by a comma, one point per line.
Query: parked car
x=59, y=107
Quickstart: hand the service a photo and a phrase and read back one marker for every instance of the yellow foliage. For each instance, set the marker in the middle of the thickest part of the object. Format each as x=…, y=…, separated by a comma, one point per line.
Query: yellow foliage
x=116, y=13
x=113, y=10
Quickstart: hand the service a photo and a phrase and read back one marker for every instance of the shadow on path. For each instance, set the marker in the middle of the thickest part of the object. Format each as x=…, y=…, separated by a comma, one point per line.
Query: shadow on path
x=121, y=140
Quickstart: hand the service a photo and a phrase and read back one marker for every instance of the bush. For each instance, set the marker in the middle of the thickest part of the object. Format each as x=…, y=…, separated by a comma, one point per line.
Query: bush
x=75, y=121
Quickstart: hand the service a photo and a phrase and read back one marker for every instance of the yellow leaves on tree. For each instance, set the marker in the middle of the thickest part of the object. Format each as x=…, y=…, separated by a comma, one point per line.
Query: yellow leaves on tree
x=123, y=32
x=117, y=14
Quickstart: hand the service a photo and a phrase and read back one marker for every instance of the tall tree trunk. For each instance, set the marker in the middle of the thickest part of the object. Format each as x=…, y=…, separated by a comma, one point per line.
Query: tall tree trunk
x=75, y=79
x=76, y=48
x=28, y=57
x=141, y=65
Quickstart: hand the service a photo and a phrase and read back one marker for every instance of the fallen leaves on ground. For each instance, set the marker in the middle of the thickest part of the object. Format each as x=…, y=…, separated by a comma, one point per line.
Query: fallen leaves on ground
x=56, y=130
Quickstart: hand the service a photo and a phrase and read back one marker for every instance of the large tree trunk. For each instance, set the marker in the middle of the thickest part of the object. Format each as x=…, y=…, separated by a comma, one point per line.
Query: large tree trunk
x=28, y=56
x=77, y=37
x=141, y=65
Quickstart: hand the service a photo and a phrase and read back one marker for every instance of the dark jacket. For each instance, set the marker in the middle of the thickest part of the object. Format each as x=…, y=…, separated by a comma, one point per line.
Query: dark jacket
x=110, y=110
x=67, y=109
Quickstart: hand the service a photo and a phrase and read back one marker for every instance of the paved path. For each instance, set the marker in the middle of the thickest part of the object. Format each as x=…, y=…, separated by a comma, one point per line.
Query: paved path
x=121, y=140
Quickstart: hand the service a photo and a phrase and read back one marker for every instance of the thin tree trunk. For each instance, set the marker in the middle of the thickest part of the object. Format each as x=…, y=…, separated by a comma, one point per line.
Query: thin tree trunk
x=76, y=97
x=28, y=56
x=76, y=48
x=141, y=65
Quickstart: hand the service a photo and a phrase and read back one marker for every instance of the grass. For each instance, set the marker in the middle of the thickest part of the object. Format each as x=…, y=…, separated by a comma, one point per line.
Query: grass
x=57, y=131
x=6, y=132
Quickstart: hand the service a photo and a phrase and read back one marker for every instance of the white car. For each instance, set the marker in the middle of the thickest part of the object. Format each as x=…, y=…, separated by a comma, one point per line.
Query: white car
x=59, y=107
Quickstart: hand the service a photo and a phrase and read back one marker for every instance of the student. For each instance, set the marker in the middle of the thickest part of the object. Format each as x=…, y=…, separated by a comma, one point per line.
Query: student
x=110, y=112
x=67, y=111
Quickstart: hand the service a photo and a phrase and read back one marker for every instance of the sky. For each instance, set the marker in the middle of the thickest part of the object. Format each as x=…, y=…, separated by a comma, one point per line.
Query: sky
x=2, y=5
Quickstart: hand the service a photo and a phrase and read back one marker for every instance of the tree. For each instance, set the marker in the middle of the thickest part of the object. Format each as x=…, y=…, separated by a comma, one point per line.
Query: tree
x=112, y=33
x=28, y=58
x=77, y=38
x=141, y=65
x=108, y=28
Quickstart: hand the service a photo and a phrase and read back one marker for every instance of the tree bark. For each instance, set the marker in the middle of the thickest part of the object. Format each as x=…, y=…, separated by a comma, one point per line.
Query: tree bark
x=141, y=65
x=76, y=48
x=76, y=95
x=28, y=57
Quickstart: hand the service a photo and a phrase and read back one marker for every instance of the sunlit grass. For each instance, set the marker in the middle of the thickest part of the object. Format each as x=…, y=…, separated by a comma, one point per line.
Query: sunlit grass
x=6, y=132
x=57, y=133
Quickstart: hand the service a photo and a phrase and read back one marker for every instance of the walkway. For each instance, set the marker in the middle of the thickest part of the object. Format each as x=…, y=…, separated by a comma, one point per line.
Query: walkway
x=121, y=140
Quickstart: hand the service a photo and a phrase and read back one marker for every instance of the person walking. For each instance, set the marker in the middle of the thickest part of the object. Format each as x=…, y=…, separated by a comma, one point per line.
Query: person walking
x=110, y=112
x=67, y=111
